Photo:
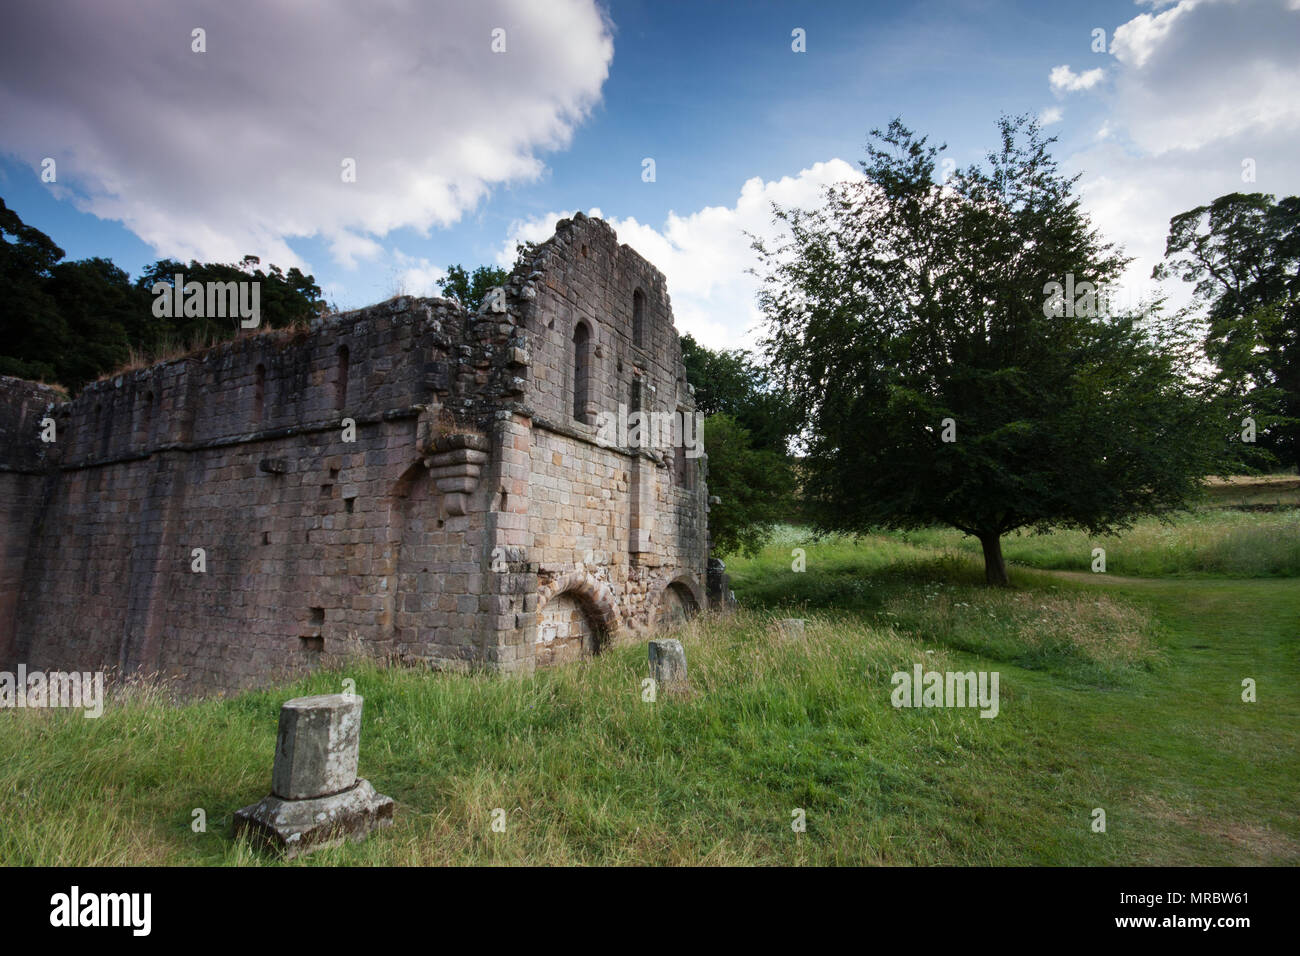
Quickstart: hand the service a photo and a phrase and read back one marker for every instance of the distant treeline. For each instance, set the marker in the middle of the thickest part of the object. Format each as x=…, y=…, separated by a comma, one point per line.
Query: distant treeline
x=70, y=322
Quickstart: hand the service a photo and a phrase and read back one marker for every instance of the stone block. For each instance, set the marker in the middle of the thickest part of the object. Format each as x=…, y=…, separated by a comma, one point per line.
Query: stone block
x=791, y=628
x=668, y=665
x=317, y=799
x=297, y=827
x=317, y=746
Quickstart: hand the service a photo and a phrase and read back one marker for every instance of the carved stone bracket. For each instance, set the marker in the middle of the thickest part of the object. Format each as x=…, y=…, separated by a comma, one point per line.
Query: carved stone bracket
x=455, y=466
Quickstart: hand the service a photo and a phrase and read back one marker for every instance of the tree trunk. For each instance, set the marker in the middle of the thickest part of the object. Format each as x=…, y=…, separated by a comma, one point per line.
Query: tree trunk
x=995, y=569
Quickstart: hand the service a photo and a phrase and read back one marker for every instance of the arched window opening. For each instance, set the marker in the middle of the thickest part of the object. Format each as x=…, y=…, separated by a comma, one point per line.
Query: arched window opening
x=638, y=318
x=259, y=393
x=684, y=469
x=341, y=381
x=582, y=373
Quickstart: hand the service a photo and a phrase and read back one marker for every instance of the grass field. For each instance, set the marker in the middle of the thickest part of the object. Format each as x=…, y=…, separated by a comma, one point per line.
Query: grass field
x=1119, y=693
x=1254, y=491
x=1218, y=542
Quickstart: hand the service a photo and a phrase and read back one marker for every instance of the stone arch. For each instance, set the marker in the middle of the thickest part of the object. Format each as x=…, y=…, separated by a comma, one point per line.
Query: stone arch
x=576, y=618
x=679, y=601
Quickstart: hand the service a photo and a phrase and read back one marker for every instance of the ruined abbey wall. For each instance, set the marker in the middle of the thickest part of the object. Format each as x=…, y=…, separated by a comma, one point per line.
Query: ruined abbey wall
x=212, y=520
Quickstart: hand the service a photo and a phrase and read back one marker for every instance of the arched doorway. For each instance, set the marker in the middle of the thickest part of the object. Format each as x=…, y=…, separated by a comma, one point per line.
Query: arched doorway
x=677, y=605
x=575, y=619
x=565, y=632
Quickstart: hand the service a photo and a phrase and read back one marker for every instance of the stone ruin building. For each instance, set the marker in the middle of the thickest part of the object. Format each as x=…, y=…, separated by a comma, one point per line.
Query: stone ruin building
x=478, y=518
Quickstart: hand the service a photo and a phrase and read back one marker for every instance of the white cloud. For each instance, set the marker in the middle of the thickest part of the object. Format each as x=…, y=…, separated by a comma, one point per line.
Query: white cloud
x=238, y=149
x=705, y=255
x=1133, y=43
x=1065, y=80
x=1052, y=114
x=1206, y=71
x=416, y=275
x=1198, y=88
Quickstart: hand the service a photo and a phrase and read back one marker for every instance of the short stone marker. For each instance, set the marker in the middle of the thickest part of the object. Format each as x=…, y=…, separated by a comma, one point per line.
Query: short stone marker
x=316, y=797
x=668, y=665
x=791, y=628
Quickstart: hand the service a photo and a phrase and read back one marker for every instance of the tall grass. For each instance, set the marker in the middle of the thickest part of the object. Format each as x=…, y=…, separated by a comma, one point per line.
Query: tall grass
x=1125, y=696
x=1214, y=542
x=1218, y=542
x=586, y=771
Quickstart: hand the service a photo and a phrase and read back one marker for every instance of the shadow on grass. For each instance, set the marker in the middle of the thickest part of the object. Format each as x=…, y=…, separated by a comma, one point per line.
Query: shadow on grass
x=1083, y=637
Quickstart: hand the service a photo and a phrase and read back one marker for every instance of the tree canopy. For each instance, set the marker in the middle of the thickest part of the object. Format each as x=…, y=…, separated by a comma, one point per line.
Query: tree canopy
x=470, y=288
x=1242, y=252
x=735, y=384
x=73, y=321
x=954, y=363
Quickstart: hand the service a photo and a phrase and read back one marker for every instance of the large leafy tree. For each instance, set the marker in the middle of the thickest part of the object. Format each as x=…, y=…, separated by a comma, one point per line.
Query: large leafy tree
x=32, y=331
x=98, y=305
x=1242, y=252
x=471, y=288
x=284, y=298
x=944, y=378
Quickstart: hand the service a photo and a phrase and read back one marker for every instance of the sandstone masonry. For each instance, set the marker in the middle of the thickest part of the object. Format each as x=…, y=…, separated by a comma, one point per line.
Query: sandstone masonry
x=477, y=520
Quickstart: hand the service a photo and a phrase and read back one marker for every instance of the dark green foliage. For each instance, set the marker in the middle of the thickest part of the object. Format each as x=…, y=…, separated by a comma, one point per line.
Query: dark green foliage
x=755, y=485
x=286, y=298
x=746, y=435
x=732, y=383
x=32, y=332
x=900, y=304
x=1242, y=251
x=72, y=322
x=469, y=288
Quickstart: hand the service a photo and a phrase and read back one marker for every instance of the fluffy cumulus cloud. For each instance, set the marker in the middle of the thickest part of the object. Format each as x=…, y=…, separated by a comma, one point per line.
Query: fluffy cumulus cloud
x=1065, y=80
x=706, y=255
x=1204, y=100
x=241, y=148
x=416, y=275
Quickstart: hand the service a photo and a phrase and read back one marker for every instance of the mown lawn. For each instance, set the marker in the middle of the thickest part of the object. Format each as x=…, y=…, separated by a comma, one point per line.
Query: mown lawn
x=1114, y=693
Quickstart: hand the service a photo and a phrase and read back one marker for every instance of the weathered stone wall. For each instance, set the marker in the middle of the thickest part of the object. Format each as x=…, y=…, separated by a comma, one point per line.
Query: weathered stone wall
x=470, y=496
x=238, y=452
x=631, y=518
x=23, y=470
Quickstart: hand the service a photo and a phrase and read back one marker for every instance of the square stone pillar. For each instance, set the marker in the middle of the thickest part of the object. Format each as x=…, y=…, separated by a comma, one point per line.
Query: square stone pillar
x=316, y=797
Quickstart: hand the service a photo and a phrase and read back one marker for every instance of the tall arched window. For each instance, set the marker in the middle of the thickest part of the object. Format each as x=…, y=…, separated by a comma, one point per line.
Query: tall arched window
x=638, y=318
x=147, y=419
x=581, y=372
x=341, y=382
x=259, y=393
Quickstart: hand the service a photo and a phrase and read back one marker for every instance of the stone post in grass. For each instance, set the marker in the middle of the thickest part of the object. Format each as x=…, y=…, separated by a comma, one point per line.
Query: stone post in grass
x=316, y=797
x=791, y=628
x=668, y=666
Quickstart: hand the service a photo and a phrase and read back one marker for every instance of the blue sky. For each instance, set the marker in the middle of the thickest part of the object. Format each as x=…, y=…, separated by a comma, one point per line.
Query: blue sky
x=712, y=91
